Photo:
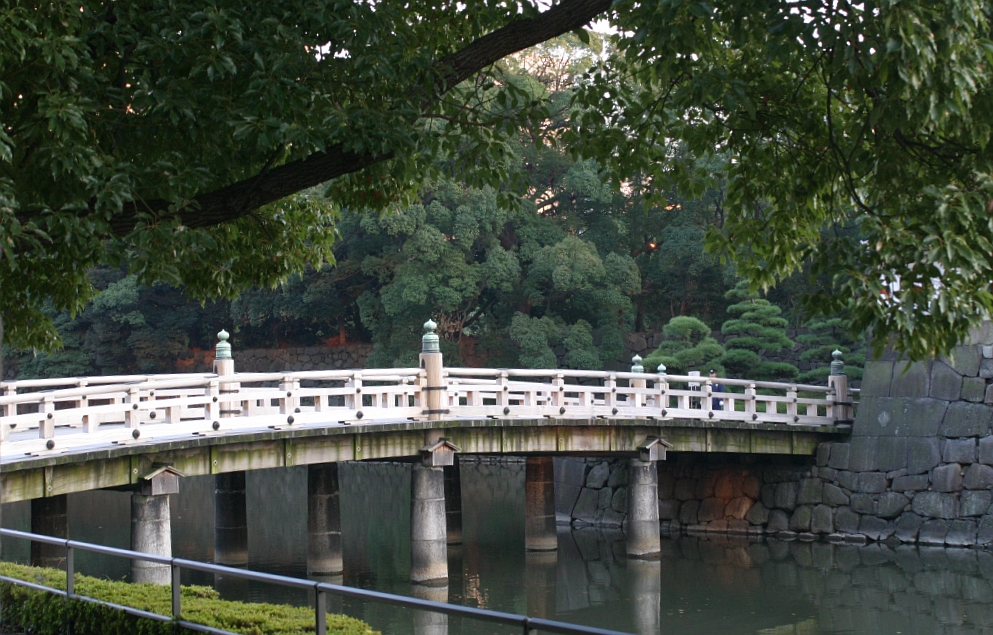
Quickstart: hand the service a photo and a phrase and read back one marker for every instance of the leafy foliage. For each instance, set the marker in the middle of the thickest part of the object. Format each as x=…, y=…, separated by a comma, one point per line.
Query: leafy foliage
x=830, y=117
x=757, y=330
x=688, y=346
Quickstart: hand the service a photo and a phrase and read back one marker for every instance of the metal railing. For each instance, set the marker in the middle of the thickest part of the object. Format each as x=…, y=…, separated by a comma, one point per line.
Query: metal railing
x=528, y=625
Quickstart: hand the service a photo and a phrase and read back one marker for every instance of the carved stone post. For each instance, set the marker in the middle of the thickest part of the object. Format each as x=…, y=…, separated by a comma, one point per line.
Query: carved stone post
x=839, y=381
x=643, y=510
x=428, y=532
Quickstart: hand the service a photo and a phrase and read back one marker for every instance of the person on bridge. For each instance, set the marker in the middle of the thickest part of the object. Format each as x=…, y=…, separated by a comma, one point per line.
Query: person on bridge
x=716, y=403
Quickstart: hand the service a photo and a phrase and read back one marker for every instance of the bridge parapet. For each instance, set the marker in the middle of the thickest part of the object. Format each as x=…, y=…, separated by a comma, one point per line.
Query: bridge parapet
x=56, y=416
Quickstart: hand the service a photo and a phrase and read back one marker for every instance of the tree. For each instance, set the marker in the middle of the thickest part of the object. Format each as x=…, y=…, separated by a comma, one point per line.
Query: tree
x=827, y=335
x=179, y=139
x=832, y=117
x=756, y=332
x=688, y=345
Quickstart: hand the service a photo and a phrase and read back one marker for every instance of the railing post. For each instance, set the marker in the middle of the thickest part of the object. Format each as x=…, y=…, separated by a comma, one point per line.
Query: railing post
x=432, y=364
x=663, y=387
x=637, y=384
x=750, y=402
x=224, y=367
x=320, y=611
x=46, y=424
x=842, y=409
x=177, y=607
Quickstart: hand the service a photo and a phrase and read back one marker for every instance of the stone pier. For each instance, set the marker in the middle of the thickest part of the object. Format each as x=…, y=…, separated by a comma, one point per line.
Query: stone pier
x=453, y=502
x=49, y=518
x=539, y=504
x=540, y=583
x=426, y=622
x=324, y=554
x=646, y=590
x=151, y=532
x=230, y=520
x=428, y=532
x=643, y=510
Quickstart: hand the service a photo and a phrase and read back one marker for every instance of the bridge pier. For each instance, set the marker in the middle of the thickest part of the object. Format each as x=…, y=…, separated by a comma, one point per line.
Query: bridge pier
x=151, y=532
x=428, y=531
x=453, y=502
x=643, y=510
x=646, y=590
x=540, y=572
x=427, y=622
x=539, y=504
x=324, y=553
x=49, y=518
x=230, y=520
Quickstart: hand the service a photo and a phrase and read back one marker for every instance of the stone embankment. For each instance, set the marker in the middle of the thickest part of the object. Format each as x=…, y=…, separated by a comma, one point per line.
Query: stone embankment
x=917, y=468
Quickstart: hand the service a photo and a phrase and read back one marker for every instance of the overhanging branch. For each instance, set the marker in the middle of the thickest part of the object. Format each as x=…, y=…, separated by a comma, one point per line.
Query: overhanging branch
x=243, y=197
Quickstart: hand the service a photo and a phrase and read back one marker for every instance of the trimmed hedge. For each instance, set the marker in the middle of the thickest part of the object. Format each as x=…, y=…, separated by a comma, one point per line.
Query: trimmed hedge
x=40, y=613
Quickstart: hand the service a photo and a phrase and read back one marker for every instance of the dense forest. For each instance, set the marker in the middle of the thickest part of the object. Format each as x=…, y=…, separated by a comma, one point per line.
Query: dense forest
x=551, y=270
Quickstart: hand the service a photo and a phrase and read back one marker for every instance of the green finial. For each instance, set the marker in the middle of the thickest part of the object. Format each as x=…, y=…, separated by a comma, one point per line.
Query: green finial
x=636, y=366
x=661, y=369
x=223, y=348
x=837, y=366
x=429, y=342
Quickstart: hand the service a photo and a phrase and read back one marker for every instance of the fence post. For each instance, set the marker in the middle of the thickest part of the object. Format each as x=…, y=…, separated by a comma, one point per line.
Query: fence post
x=224, y=367
x=433, y=366
x=638, y=384
x=842, y=409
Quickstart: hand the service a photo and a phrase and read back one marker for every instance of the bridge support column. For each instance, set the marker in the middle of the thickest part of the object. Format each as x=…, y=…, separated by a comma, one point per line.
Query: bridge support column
x=539, y=583
x=539, y=505
x=151, y=532
x=49, y=518
x=230, y=520
x=643, y=510
x=426, y=622
x=428, y=543
x=324, y=555
x=453, y=502
x=646, y=591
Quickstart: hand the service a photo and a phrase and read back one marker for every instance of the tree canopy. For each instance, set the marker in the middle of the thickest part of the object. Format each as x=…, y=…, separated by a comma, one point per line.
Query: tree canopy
x=182, y=139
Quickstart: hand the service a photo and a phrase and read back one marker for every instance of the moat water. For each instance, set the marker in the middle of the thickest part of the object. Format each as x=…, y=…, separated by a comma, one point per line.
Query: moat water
x=699, y=586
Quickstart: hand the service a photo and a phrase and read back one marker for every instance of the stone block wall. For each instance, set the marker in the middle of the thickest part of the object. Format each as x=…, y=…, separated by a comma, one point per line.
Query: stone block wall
x=591, y=491
x=918, y=468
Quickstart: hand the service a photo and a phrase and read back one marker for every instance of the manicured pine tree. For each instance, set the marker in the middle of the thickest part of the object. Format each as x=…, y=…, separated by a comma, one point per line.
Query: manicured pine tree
x=757, y=332
x=825, y=336
x=688, y=346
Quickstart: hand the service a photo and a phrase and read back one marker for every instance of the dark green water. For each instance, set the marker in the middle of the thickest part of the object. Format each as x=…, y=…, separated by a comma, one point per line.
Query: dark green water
x=699, y=586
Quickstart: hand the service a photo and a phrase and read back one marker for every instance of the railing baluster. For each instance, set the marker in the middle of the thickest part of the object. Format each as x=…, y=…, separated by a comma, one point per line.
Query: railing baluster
x=177, y=591
x=320, y=611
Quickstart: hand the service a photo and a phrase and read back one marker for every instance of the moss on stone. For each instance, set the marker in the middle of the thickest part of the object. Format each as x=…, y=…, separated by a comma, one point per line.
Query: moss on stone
x=42, y=613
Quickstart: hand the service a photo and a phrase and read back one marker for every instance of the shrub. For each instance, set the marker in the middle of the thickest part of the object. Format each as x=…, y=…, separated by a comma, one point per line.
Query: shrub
x=41, y=613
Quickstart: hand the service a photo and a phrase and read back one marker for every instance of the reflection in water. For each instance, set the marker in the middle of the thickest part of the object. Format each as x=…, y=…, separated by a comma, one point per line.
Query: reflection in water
x=717, y=585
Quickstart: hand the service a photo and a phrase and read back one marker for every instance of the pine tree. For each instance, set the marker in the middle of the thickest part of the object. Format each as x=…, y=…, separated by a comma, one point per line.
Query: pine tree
x=826, y=335
x=688, y=346
x=756, y=332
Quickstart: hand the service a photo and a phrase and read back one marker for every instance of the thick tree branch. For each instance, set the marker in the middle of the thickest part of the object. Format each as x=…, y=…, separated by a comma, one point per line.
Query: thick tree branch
x=241, y=198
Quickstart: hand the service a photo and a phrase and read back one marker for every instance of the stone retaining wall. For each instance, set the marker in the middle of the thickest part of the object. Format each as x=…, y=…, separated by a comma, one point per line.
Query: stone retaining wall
x=917, y=468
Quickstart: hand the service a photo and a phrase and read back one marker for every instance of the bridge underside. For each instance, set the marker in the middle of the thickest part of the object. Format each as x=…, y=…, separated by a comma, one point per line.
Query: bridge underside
x=31, y=477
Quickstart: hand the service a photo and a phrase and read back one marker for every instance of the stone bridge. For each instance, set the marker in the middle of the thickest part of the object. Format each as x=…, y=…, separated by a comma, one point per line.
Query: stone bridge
x=143, y=433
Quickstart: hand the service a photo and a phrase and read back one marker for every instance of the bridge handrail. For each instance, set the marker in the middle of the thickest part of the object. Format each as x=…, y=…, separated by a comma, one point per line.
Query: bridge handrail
x=663, y=377
x=321, y=589
x=16, y=384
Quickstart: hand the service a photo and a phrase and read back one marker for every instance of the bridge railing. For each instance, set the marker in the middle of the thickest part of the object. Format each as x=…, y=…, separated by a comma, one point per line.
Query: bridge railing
x=63, y=415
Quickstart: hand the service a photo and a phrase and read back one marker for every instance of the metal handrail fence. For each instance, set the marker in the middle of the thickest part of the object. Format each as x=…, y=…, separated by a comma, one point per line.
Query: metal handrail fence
x=529, y=625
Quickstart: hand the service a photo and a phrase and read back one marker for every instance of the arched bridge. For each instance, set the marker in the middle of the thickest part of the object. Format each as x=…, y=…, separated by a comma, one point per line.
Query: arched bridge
x=142, y=433
x=60, y=436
